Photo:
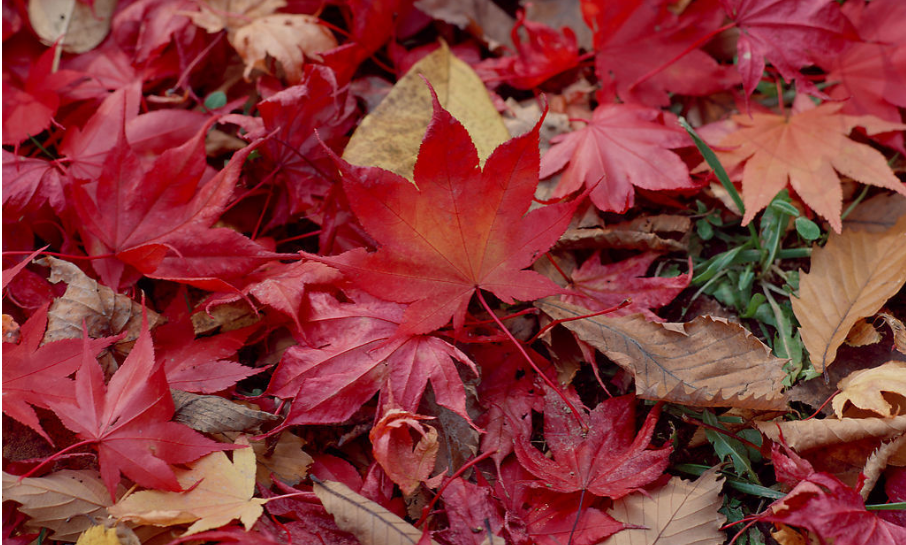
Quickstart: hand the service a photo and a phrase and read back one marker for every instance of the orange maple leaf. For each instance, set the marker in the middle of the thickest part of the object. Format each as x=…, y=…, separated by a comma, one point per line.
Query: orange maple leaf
x=805, y=148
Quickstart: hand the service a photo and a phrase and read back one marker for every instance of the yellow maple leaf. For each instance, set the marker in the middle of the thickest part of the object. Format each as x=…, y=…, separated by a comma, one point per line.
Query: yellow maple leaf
x=217, y=491
x=805, y=149
x=881, y=390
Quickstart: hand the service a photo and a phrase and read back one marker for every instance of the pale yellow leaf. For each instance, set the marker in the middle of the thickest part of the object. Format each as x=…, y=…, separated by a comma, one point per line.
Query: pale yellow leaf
x=850, y=278
x=64, y=502
x=863, y=333
x=707, y=362
x=101, y=535
x=679, y=513
x=224, y=492
x=288, y=38
x=881, y=390
x=217, y=15
x=287, y=461
x=77, y=25
x=390, y=136
x=802, y=435
x=363, y=518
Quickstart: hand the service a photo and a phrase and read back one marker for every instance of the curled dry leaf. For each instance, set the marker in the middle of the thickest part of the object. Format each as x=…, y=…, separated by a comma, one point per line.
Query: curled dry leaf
x=879, y=460
x=66, y=502
x=391, y=135
x=850, y=278
x=661, y=233
x=862, y=334
x=679, y=513
x=707, y=362
x=216, y=491
x=105, y=312
x=802, y=435
x=288, y=38
x=881, y=390
x=406, y=464
x=82, y=25
x=365, y=519
x=286, y=460
x=213, y=414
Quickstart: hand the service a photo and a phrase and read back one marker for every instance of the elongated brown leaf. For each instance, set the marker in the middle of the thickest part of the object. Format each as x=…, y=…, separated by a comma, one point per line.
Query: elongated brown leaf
x=850, y=278
x=363, y=518
x=802, y=435
x=679, y=513
x=707, y=362
x=213, y=414
x=65, y=501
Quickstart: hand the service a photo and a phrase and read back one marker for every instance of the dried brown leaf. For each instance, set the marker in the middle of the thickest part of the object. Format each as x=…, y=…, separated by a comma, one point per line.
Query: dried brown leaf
x=363, y=518
x=877, y=214
x=703, y=363
x=213, y=414
x=850, y=278
x=661, y=233
x=83, y=26
x=217, y=15
x=679, y=513
x=288, y=38
x=105, y=312
x=863, y=334
x=481, y=18
x=802, y=435
x=878, y=462
x=898, y=329
x=286, y=461
x=881, y=390
x=65, y=502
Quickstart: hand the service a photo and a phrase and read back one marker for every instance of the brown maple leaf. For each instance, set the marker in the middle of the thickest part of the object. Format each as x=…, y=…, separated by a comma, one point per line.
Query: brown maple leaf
x=805, y=149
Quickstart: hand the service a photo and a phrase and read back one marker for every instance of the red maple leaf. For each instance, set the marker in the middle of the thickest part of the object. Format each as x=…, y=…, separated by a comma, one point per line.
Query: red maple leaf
x=158, y=221
x=128, y=420
x=37, y=375
x=598, y=286
x=871, y=75
x=461, y=229
x=610, y=460
x=545, y=54
x=634, y=38
x=472, y=513
x=829, y=509
x=791, y=34
x=624, y=145
x=349, y=352
x=28, y=108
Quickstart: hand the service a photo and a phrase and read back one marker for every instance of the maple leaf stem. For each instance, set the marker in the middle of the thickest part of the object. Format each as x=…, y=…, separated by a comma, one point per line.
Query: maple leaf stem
x=525, y=355
x=578, y=516
x=548, y=327
x=427, y=509
x=181, y=82
x=56, y=455
x=828, y=400
x=689, y=420
x=692, y=47
x=299, y=237
x=507, y=317
x=559, y=270
x=66, y=256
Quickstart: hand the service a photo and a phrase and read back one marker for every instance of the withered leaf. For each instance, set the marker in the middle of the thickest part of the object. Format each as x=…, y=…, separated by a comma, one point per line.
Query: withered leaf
x=363, y=518
x=880, y=390
x=661, y=233
x=105, y=312
x=707, y=362
x=65, y=501
x=679, y=513
x=82, y=25
x=213, y=414
x=802, y=435
x=286, y=461
x=850, y=278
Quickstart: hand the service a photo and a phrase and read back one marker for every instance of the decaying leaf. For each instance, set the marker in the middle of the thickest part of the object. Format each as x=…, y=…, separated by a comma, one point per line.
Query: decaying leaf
x=661, y=233
x=482, y=18
x=877, y=214
x=66, y=502
x=217, y=491
x=850, y=278
x=862, y=334
x=391, y=135
x=899, y=331
x=286, y=461
x=679, y=513
x=105, y=312
x=365, y=519
x=880, y=390
x=878, y=462
x=82, y=25
x=802, y=435
x=213, y=414
x=405, y=462
x=707, y=362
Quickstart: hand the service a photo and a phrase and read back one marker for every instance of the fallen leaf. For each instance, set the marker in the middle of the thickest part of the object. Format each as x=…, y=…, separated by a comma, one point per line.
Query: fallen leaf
x=213, y=414
x=81, y=25
x=850, y=278
x=862, y=333
x=390, y=137
x=105, y=312
x=877, y=214
x=66, y=502
x=482, y=18
x=660, y=233
x=101, y=535
x=880, y=390
x=879, y=460
x=286, y=460
x=288, y=38
x=678, y=513
x=407, y=464
x=898, y=329
x=707, y=362
x=803, y=435
x=365, y=519
x=447, y=241
x=217, y=492
x=804, y=150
